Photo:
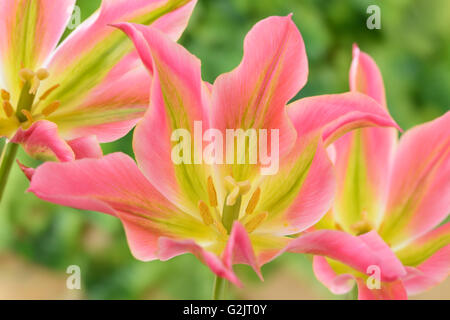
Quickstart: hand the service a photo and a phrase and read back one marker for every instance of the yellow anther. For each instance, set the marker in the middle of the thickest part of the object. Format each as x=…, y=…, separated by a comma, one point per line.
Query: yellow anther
x=253, y=201
x=5, y=95
x=52, y=107
x=205, y=213
x=232, y=197
x=26, y=75
x=212, y=195
x=28, y=115
x=42, y=74
x=256, y=221
x=48, y=92
x=7, y=107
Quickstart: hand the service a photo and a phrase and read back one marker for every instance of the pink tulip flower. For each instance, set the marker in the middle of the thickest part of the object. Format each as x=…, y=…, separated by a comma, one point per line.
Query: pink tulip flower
x=223, y=214
x=391, y=203
x=59, y=101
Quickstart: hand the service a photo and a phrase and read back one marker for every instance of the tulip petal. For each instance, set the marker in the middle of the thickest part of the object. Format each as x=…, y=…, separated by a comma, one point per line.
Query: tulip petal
x=177, y=102
x=95, y=61
x=418, y=251
x=274, y=68
x=114, y=185
x=419, y=193
x=337, y=284
x=29, y=172
x=429, y=273
x=169, y=248
x=355, y=252
x=388, y=291
x=364, y=157
x=42, y=141
x=239, y=249
x=365, y=76
x=86, y=147
x=29, y=31
x=336, y=114
x=302, y=191
x=8, y=127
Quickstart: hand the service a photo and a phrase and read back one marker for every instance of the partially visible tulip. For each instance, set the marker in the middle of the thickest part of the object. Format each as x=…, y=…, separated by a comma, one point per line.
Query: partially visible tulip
x=392, y=201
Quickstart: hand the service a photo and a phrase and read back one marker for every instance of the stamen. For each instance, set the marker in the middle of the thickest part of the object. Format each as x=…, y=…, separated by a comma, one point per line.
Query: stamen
x=48, y=92
x=204, y=213
x=26, y=75
x=42, y=74
x=28, y=115
x=5, y=95
x=253, y=201
x=7, y=107
x=256, y=221
x=362, y=226
x=52, y=107
x=212, y=195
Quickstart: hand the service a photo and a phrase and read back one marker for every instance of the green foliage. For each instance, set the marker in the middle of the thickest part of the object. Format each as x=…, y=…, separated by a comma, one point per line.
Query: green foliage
x=412, y=49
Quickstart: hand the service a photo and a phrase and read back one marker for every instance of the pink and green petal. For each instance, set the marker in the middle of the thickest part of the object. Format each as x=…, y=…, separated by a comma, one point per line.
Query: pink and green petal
x=29, y=32
x=274, y=68
x=177, y=101
x=364, y=157
x=419, y=193
x=108, y=111
x=114, y=185
x=419, y=250
x=29, y=172
x=336, y=283
x=42, y=141
x=239, y=249
x=334, y=115
x=429, y=273
x=96, y=60
x=352, y=251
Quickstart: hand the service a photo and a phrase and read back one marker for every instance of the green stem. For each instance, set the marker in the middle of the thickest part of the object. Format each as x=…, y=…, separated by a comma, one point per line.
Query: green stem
x=6, y=162
x=219, y=288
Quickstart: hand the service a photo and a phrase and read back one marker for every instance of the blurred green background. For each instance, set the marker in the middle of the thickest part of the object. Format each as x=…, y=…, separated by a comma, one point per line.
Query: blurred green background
x=38, y=241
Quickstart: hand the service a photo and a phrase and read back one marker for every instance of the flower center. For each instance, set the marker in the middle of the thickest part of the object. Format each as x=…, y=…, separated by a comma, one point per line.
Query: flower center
x=362, y=226
x=223, y=223
x=25, y=111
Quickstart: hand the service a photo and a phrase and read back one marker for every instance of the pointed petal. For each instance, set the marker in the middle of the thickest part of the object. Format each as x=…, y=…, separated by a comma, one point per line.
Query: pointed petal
x=356, y=252
x=29, y=172
x=169, y=248
x=239, y=249
x=364, y=157
x=42, y=141
x=114, y=185
x=86, y=147
x=29, y=31
x=429, y=273
x=274, y=68
x=338, y=284
x=422, y=248
x=336, y=114
x=177, y=101
x=365, y=76
x=388, y=291
x=419, y=193
x=96, y=60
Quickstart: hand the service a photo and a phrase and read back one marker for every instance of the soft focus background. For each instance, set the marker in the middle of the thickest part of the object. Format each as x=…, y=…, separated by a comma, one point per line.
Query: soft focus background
x=38, y=241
